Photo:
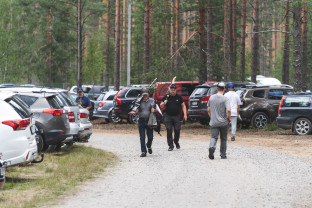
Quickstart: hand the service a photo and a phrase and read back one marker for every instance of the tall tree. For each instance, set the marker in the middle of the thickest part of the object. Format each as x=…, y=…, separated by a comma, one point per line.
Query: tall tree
x=202, y=73
x=209, y=42
x=49, y=53
x=79, y=43
x=243, y=38
x=297, y=73
x=255, y=42
x=177, y=32
x=304, y=42
x=167, y=49
x=146, y=49
x=227, y=40
x=107, y=45
x=117, y=47
x=285, y=69
x=234, y=37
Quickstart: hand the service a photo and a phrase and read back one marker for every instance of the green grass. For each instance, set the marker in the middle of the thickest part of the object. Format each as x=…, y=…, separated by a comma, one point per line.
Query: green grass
x=33, y=185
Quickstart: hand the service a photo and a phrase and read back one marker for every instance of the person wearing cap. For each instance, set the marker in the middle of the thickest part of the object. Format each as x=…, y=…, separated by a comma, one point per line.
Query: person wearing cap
x=235, y=103
x=174, y=103
x=83, y=100
x=144, y=110
x=219, y=111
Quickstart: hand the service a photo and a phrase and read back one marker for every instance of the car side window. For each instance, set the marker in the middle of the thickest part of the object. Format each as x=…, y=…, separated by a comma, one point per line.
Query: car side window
x=297, y=102
x=111, y=97
x=258, y=93
x=53, y=102
x=133, y=93
x=276, y=94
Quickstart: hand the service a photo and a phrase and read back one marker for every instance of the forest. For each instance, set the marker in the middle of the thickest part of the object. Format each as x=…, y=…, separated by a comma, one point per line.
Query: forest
x=60, y=43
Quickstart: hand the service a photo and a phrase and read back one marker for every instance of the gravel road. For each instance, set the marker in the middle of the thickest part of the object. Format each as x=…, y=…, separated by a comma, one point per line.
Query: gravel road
x=250, y=177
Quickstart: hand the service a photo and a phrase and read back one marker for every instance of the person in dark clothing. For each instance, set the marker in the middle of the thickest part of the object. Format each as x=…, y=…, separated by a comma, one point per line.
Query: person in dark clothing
x=83, y=100
x=144, y=110
x=174, y=103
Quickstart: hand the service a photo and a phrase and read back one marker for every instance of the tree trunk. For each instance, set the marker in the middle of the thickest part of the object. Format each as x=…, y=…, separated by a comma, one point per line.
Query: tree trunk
x=202, y=73
x=146, y=51
x=227, y=41
x=107, y=46
x=167, y=30
x=172, y=35
x=234, y=29
x=297, y=74
x=79, y=44
x=150, y=32
x=285, y=69
x=49, y=53
x=209, y=43
x=243, y=37
x=255, y=42
x=304, y=42
x=177, y=32
x=117, y=48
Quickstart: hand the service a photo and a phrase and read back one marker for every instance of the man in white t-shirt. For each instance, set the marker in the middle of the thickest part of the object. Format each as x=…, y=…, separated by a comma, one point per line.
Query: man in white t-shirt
x=235, y=103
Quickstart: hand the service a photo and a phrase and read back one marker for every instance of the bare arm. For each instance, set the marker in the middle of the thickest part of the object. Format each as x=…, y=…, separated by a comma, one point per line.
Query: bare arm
x=229, y=114
x=209, y=112
x=184, y=111
x=89, y=107
x=162, y=104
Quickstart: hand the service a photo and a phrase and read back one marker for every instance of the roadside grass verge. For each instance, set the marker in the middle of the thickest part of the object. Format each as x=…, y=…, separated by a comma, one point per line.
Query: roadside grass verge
x=34, y=185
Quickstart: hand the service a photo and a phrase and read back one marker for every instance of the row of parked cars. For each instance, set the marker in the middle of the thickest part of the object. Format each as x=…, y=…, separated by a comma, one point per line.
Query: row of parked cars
x=35, y=120
x=261, y=104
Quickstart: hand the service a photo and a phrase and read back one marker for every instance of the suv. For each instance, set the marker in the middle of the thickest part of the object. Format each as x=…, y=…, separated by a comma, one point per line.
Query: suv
x=124, y=102
x=295, y=113
x=260, y=104
x=200, y=97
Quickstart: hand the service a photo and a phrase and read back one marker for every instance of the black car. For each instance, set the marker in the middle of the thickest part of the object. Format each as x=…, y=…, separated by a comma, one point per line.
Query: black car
x=295, y=113
x=124, y=102
x=200, y=97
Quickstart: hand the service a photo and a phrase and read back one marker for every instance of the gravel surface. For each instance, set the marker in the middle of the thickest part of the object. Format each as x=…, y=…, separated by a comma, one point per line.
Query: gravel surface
x=250, y=177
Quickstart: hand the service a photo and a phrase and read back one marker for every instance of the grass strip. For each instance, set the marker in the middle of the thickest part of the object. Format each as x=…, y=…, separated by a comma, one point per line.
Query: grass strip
x=33, y=185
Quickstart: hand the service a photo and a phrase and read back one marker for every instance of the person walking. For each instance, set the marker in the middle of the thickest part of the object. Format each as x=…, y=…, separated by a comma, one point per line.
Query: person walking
x=144, y=110
x=83, y=100
x=235, y=103
x=219, y=111
x=174, y=103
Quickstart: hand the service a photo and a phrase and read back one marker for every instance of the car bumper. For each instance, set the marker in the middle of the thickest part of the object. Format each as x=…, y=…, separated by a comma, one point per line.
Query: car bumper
x=28, y=156
x=284, y=122
x=120, y=113
x=74, y=128
x=54, y=137
x=2, y=174
x=88, y=130
x=100, y=113
x=198, y=114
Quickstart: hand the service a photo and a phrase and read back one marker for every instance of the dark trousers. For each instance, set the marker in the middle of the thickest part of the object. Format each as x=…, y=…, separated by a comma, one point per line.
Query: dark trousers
x=149, y=132
x=172, y=122
x=223, y=130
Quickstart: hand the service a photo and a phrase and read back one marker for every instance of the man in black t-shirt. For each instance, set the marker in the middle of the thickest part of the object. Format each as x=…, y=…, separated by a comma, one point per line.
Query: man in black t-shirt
x=174, y=103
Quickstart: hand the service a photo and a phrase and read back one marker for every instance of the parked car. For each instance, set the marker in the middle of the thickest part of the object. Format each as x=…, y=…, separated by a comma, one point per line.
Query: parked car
x=260, y=104
x=92, y=91
x=295, y=113
x=18, y=133
x=200, y=97
x=103, y=107
x=85, y=124
x=124, y=101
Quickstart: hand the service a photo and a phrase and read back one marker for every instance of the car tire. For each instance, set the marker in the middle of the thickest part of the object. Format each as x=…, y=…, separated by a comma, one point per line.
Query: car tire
x=302, y=126
x=113, y=118
x=133, y=118
x=51, y=148
x=260, y=120
x=40, y=144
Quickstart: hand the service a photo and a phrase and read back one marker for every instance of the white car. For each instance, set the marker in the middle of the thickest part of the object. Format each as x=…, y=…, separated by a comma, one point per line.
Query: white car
x=18, y=142
x=85, y=124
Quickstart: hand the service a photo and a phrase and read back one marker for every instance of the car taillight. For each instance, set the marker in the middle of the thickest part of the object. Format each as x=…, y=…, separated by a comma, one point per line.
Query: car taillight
x=71, y=117
x=54, y=112
x=205, y=99
x=84, y=115
x=118, y=101
x=18, y=124
x=101, y=104
x=280, y=106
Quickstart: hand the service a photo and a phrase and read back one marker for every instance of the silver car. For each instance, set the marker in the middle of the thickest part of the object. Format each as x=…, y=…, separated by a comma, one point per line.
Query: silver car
x=85, y=124
x=103, y=107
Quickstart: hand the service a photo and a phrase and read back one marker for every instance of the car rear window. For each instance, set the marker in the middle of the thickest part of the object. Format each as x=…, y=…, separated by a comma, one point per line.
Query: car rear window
x=200, y=91
x=187, y=89
x=18, y=105
x=212, y=91
x=29, y=100
x=69, y=100
x=100, y=98
x=297, y=102
x=258, y=93
x=53, y=102
x=133, y=93
x=277, y=94
x=111, y=97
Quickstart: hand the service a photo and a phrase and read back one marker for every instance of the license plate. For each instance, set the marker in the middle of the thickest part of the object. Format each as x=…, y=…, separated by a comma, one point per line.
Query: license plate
x=194, y=103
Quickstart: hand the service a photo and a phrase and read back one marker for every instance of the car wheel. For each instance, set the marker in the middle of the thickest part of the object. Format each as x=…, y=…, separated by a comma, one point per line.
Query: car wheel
x=40, y=144
x=302, y=126
x=113, y=118
x=260, y=120
x=51, y=148
x=133, y=118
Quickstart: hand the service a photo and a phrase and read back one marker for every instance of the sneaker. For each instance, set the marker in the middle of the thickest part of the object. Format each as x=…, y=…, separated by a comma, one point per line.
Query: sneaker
x=223, y=157
x=170, y=149
x=211, y=151
x=150, y=151
x=233, y=138
x=143, y=154
x=177, y=145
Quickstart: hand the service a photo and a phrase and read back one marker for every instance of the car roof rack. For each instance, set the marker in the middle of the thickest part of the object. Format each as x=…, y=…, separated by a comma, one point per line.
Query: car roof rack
x=302, y=93
x=269, y=86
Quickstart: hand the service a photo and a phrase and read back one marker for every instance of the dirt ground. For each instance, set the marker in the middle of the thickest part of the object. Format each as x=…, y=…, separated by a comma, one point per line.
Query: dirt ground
x=279, y=140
